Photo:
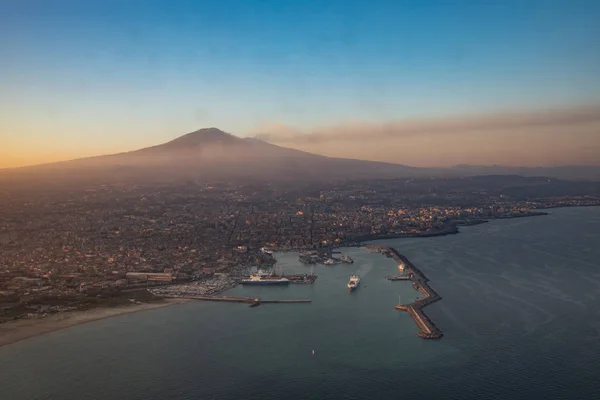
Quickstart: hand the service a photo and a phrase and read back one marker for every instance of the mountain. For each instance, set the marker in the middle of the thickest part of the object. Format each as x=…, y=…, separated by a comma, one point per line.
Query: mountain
x=211, y=154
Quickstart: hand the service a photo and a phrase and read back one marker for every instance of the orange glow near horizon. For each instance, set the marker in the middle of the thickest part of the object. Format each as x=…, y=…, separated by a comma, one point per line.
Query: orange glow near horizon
x=559, y=137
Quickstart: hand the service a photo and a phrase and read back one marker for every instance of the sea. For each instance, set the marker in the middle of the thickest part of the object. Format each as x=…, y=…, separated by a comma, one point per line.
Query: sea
x=520, y=315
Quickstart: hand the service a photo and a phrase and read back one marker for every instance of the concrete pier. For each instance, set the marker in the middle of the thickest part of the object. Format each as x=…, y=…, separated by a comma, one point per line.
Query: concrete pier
x=428, y=330
x=250, y=300
x=398, y=278
x=301, y=279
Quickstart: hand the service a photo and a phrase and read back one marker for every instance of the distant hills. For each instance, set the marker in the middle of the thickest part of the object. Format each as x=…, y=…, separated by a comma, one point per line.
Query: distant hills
x=211, y=154
x=570, y=172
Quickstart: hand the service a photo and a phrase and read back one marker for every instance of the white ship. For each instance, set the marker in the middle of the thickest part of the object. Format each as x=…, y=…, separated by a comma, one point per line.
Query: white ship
x=329, y=261
x=264, y=278
x=353, y=283
x=264, y=250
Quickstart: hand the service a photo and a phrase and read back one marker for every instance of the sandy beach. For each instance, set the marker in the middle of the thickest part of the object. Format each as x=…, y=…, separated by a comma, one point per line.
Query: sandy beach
x=14, y=331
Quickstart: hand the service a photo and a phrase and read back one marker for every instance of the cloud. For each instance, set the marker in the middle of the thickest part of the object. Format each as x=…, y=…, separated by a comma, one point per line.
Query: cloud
x=274, y=131
x=279, y=133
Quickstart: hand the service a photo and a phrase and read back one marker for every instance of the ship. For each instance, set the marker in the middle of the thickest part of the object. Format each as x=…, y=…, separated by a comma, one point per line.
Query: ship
x=329, y=261
x=353, y=283
x=264, y=250
x=263, y=278
x=347, y=259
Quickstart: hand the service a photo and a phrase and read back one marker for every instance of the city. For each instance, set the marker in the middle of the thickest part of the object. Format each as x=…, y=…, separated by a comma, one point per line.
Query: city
x=106, y=245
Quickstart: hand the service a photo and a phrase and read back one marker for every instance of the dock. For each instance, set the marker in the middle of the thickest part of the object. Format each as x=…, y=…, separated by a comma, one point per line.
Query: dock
x=398, y=278
x=301, y=279
x=427, y=329
x=253, y=301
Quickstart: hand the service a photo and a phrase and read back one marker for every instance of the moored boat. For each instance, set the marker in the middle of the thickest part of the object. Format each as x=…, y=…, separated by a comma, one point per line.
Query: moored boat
x=346, y=259
x=264, y=250
x=262, y=278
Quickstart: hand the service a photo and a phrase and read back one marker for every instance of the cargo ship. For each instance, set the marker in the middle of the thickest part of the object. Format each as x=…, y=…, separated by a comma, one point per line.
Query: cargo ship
x=353, y=283
x=262, y=278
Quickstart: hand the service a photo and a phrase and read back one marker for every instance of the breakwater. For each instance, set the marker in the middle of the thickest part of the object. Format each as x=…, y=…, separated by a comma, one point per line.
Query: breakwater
x=398, y=278
x=427, y=329
x=233, y=299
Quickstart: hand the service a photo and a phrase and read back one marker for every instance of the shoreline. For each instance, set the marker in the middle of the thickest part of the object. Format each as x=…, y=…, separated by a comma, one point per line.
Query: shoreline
x=453, y=229
x=18, y=330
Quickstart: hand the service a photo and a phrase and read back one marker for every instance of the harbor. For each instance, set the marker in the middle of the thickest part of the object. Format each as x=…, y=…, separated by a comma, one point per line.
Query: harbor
x=427, y=328
x=209, y=289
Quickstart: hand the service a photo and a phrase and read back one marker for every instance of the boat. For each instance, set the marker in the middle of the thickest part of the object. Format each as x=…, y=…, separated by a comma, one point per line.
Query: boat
x=255, y=303
x=329, y=261
x=353, y=283
x=346, y=259
x=264, y=250
x=263, y=278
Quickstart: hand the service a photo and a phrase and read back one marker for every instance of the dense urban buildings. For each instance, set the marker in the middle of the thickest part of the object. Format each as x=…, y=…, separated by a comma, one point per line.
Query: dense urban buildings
x=62, y=250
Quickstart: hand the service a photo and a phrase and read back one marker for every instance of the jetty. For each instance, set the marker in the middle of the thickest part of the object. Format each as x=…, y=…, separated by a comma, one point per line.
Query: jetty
x=253, y=301
x=301, y=278
x=427, y=329
x=398, y=278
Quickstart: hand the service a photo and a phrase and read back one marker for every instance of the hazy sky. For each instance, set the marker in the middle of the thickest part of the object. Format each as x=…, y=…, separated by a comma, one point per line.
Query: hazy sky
x=90, y=77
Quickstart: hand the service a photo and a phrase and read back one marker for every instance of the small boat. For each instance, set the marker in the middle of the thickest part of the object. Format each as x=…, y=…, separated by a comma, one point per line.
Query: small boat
x=329, y=261
x=264, y=250
x=353, y=283
x=346, y=259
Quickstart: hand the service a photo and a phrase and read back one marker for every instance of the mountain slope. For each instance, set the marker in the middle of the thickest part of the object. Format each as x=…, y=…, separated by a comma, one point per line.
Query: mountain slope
x=213, y=154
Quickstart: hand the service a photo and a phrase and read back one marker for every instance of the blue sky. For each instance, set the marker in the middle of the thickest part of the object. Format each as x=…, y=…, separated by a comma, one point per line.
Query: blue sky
x=119, y=75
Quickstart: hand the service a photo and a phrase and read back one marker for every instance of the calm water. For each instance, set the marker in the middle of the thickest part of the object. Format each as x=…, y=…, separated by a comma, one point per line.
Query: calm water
x=520, y=311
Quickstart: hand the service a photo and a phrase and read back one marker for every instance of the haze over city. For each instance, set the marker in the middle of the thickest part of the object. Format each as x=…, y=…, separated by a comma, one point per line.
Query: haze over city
x=512, y=82
x=299, y=199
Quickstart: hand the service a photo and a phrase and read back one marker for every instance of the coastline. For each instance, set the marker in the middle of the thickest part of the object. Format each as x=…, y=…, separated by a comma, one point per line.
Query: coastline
x=15, y=331
x=453, y=229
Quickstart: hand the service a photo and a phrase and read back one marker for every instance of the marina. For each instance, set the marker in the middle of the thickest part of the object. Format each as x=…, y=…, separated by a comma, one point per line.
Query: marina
x=324, y=257
x=204, y=287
